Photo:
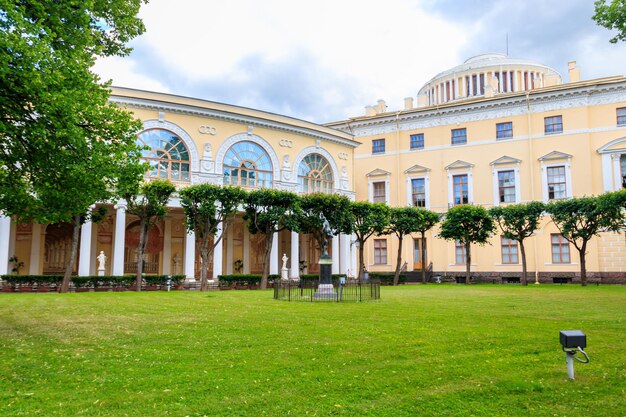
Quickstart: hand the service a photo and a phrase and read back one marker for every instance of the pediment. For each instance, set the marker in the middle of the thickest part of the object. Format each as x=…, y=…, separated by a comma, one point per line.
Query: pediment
x=555, y=155
x=378, y=173
x=617, y=145
x=458, y=164
x=506, y=160
x=416, y=169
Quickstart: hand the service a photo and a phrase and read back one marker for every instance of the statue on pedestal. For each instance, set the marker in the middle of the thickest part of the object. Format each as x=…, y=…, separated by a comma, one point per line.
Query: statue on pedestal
x=102, y=258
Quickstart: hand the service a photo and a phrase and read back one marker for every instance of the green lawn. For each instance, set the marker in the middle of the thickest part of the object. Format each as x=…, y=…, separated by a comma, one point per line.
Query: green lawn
x=435, y=350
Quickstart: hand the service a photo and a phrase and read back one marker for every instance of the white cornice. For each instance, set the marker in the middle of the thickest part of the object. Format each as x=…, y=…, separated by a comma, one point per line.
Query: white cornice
x=158, y=105
x=487, y=109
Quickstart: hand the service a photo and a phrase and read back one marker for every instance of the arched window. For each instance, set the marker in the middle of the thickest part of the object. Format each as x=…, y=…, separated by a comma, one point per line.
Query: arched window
x=168, y=156
x=315, y=175
x=248, y=165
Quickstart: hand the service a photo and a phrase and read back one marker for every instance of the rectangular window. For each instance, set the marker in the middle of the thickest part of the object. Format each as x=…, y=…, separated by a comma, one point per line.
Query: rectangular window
x=509, y=251
x=459, y=136
x=459, y=253
x=378, y=146
x=560, y=249
x=380, y=251
x=418, y=191
x=417, y=141
x=506, y=186
x=379, y=192
x=556, y=183
x=621, y=116
x=460, y=189
x=504, y=130
x=553, y=125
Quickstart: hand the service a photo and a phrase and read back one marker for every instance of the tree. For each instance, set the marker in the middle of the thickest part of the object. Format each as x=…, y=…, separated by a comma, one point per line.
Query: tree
x=580, y=219
x=367, y=219
x=206, y=207
x=62, y=144
x=149, y=203
x=407, y=220
x=268, y=212
x=333, y=208
x=467, y=224
x=612, y=16
x=517, y=222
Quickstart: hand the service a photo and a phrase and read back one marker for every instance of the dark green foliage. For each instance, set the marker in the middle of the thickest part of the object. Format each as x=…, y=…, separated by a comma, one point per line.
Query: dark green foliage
x=580, y=219
x=333, y=207
x=467, y=224
x=244, y=279
x=148, y=201
x=612, y=16
x=367, y=219
x=270, y=211
x=406, y=220
x=517, y=222
x=206, y=207
x=94, y=281
x=316, y=277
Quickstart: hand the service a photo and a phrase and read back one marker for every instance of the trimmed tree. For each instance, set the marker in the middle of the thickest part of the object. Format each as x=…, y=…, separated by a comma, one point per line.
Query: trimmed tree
x=206, y=207
x=268, y=212
x=62, y=144
x=149, y=203
x=517, y=222
x=368, y=219
x=316, y=208
x=580, y=219
x=467, y=224
x=611, y=16
x=407, y=220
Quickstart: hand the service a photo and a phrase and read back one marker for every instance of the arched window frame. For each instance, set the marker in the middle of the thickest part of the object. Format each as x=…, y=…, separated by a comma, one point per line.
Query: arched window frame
x=263, y=176
x=315, y=183
x=323, y=152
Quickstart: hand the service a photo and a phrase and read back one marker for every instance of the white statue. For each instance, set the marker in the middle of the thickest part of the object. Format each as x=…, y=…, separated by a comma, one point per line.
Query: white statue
x=285, y=259
x=102, y=259
x=208, y=151
x=286, y=163
x=344, y=172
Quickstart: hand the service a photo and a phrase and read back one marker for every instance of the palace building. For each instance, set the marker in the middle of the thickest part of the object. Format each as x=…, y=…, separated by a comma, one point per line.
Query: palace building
x=491, y=131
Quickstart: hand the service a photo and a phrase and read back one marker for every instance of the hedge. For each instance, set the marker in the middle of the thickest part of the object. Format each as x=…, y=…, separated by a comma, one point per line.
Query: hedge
x=91, y=281
x=243, y=279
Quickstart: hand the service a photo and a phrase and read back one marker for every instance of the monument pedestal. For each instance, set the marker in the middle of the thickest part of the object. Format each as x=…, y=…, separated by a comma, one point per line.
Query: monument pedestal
x=325, y=288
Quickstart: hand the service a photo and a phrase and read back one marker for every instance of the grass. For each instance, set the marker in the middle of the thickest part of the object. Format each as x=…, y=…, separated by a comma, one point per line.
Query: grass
x=447, y=350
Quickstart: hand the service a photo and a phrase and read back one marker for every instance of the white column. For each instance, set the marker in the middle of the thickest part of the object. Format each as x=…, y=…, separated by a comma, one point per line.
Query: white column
x=471, y=85
x=190, y=256
x=463, y=93
x=274, y=255
x=85, y=249
x=531, y=80
x=35, y=249
x=335, y=255
x=230, y=249
x=5, y=233
x=344, y=254
x=501, y=83
x=246, y=250
x=167, y=246
x=515, y=73
x=295, y=255
x=118, y=243
x=445, y=91
x=353, y=257
x=218, y=254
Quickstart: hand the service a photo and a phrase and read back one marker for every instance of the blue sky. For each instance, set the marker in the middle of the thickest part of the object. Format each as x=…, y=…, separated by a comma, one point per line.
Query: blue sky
x=326, y=60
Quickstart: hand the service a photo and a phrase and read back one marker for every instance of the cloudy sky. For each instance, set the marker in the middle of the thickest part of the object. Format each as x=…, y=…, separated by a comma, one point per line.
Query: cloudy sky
x=325, y=60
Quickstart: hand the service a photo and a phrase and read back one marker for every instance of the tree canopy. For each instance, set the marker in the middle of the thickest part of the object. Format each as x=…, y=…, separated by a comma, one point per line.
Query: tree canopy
x=517, y=222
x=468, y=224
x=333, y=208
x=207, y=207
x=270, y=211
x=612, y=16
x=367, y=219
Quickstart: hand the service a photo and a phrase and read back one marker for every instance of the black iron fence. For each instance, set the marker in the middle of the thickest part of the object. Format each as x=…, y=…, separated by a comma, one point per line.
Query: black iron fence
x=341, y=290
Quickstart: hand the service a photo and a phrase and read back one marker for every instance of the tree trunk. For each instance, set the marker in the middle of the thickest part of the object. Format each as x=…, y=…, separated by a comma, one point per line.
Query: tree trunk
x=269, y=239
x=423, y=248
x=65, y=285
x=143, y=240
x=468, y=262
x=361, y=260
x=204, y=269
x=396, y=276
x=583, y=264
x=524, y=270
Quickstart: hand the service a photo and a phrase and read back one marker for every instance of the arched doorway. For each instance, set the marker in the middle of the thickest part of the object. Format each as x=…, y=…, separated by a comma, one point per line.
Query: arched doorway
x=152, y=253
x=58, y=248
